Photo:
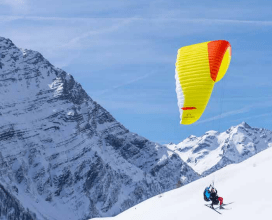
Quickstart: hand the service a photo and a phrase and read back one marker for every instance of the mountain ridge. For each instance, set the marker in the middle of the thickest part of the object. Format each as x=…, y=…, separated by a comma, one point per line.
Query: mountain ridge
x=215, y=150
x=64, y=153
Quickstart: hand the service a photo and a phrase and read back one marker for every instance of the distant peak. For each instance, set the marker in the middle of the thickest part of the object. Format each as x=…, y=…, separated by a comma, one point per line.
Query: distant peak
x=5, y=41
x=244, y=124
x=212, y=132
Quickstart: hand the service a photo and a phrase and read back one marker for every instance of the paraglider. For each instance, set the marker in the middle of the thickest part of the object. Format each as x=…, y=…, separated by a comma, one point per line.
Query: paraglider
x=198, y=68
x=215, y=198
x=210, y=195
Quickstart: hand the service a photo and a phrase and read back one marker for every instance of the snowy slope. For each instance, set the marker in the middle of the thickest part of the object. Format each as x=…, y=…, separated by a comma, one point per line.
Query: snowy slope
x=247, y=184
x=215, y=150
x=62, y=155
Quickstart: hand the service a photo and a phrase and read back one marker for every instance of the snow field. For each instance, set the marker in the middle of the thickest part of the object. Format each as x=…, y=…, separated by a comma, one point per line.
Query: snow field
x=247, y=184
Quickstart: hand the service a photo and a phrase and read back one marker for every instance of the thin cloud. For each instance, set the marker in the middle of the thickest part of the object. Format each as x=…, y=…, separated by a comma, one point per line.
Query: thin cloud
x=129, y=19
x=219, y=21
x=134, y=106
x=97, y=32
x=124, y=84
x=251, y=117
x=224, y=115
x=16, y=5
x=239, y=111
x=69, y=19
x=13, y=3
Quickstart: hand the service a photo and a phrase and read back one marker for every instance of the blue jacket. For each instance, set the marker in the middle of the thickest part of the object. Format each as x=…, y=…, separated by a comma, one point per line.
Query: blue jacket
x=207, y=193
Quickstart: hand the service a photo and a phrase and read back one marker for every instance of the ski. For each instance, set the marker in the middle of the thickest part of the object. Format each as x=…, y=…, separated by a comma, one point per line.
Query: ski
x=227, y=203
x=222, y=208
x=213, y=209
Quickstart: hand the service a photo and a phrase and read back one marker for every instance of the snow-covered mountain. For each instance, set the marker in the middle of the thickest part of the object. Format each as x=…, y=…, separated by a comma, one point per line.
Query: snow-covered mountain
x=62, y=155
x=247, y=185
x=11, y=207
x=215, y=150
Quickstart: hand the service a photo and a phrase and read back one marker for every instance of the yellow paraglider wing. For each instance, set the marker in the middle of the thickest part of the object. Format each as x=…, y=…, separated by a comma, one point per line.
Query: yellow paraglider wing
x=198, y=67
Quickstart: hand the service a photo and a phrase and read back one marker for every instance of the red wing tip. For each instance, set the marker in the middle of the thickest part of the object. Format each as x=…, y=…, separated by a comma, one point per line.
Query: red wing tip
x=188, y=108
x=225, y=41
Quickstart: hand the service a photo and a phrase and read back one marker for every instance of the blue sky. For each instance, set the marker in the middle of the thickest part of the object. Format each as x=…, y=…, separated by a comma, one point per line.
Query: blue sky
x=124, y=52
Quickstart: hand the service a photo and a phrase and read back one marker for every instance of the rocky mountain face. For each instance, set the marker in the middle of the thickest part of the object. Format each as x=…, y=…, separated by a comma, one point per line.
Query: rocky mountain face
x=11, y=208
x=62, y=155
x=215, y=150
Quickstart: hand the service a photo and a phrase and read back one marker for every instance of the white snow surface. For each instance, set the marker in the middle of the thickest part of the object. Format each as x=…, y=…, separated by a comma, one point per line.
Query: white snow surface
x=247, y=185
